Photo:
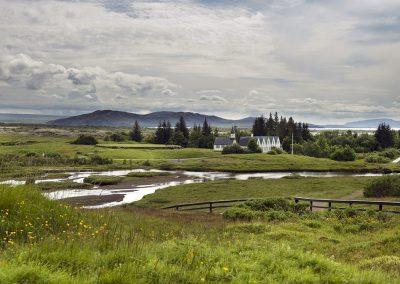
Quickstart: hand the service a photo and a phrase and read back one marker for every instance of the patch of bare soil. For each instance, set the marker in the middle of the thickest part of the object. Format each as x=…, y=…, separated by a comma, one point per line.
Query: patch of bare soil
x=93, y=200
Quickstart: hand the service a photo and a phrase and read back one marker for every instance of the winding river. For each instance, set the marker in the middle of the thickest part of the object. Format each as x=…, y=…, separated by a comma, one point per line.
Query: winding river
x=134, y=193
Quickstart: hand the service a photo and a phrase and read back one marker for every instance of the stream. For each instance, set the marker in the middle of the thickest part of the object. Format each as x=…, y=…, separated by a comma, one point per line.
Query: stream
x=109, y=196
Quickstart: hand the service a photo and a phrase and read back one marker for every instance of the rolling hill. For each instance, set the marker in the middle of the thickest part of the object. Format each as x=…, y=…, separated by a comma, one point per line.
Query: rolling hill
x=120, y=118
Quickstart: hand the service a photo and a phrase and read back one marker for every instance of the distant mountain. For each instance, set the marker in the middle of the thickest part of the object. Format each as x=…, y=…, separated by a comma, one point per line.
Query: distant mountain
x=368, y=123
x=120, y=118
x=373, y=123
x=27, y=118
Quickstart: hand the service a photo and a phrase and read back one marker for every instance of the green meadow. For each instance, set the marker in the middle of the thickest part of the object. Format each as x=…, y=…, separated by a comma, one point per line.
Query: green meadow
x=49, y=242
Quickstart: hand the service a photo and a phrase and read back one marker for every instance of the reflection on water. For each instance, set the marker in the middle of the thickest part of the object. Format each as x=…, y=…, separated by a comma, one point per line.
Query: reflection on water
x=137, y=192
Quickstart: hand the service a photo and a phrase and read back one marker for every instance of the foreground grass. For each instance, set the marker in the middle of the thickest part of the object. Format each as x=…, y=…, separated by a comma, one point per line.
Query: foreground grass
x=47, y=242
x=335, y=187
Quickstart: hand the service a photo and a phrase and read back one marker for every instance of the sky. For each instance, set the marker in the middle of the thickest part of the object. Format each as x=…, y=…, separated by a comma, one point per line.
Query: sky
x=321, y=61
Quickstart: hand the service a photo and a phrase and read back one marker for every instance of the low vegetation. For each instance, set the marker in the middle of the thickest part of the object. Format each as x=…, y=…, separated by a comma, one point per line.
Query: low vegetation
x=102, y=180
x=383, y=187
x=48, y=242
x=51, y=185
x=148, y=174
x=336, y=187
x=85, y=140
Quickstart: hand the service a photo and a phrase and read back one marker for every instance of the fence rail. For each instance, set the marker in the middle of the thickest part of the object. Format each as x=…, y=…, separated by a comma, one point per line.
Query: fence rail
x=209, y=205
x=319, y=202
x=314, y=203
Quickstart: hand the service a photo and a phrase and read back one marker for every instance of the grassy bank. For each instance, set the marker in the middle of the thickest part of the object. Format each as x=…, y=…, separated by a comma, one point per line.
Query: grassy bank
x=44, y=241
x=337, y=187
x=265, y=162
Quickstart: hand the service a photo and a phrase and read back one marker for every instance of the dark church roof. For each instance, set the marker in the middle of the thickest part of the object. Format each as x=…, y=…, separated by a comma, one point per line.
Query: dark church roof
x=223, y=141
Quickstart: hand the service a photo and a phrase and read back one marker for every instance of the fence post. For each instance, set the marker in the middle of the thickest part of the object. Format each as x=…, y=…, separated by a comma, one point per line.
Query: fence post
x=177, y=208
x=311, y=205
x=350, y=204
x=210, y=207
x=330, y=206
x=380, y=207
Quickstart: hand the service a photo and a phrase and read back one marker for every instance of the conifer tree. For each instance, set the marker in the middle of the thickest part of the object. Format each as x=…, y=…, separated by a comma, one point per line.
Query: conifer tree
x=259, y=126
x=136, y=134
x=384, y=136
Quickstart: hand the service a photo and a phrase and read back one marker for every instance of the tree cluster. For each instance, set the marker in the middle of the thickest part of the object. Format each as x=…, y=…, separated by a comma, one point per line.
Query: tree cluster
x=197, y=137
x=282, y=127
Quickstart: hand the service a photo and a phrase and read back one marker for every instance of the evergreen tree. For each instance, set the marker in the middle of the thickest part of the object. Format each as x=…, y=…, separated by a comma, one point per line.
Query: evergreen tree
x=276, y=124
x=259, y=126
x=305, y=132
x=206, y=130
x=136, y=134
x=194, y=136
x=291, y=127
x=181, y=126
x=181, y=133
x=163, y=133
x=159, y=135
x=269, y=126
x=384, y=136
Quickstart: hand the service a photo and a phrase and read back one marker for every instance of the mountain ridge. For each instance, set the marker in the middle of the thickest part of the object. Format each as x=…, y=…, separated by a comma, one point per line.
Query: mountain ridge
x=120, y=118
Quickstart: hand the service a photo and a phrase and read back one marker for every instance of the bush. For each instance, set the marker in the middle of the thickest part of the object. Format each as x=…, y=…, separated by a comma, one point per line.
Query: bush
x=275, y=151
x=97, y=160
x=116, y=137
x=85, y=140
x=234, y=149
x=277, y=204
x=343, y=154
x=253, y=147
x=375, y=158
x=383, y=186
x=388, y=263
x=390, y=153
x=240, y=214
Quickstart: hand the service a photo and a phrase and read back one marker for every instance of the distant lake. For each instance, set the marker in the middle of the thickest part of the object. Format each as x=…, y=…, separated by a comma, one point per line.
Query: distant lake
x=353, y=129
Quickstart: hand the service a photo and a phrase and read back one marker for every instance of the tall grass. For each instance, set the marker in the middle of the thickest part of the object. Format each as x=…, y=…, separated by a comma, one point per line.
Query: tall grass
x=121, y=246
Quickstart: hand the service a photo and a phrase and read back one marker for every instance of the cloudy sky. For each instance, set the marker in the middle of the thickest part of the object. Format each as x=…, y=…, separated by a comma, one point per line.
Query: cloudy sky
x=323, y=61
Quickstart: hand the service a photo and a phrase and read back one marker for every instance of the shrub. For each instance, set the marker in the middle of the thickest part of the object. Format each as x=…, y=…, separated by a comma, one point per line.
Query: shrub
x=388, y=263
x=85, y=140
x=275, y=151
x=343, y=154
x=116, y=137
x=383, y=186
x=375, y=158
x=240, y=214
x=277, y=204
x=390, y=153
x=102, y=180
x=253, y=147
x=97, y=160
x=233, y=149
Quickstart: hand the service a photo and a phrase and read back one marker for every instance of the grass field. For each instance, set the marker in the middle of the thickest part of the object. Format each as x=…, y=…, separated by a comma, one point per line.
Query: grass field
x=265, y=162
x=337, y=187
x=47, y=242
x=128, y=151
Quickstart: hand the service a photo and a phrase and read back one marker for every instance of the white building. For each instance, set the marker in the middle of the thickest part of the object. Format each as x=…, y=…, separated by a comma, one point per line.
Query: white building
x=266, y=143
x=223, y=141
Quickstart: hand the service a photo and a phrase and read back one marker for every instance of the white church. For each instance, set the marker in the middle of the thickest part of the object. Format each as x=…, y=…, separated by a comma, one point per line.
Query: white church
x=266, y=143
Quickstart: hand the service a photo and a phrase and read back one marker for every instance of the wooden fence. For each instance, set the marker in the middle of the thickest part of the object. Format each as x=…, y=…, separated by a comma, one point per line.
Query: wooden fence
x=314, y=203
x=320, y=203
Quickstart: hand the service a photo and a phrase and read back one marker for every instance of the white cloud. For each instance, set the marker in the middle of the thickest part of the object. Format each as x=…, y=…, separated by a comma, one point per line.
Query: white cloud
x=317, y=59
x=93, y=83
